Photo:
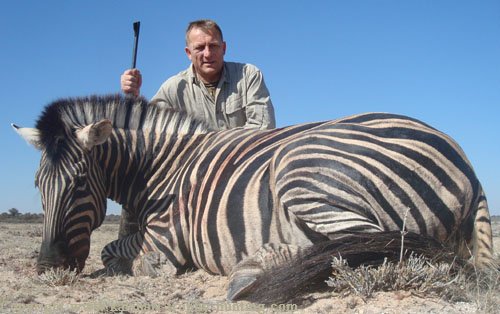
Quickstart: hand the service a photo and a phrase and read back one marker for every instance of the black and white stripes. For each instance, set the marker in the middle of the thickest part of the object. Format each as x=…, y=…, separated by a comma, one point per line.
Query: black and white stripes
x=211, y=199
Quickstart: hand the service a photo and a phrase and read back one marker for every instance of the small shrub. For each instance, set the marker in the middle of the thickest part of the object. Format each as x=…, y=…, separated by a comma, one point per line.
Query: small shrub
x=58, y=277
x=421, y=277
x=415, y=274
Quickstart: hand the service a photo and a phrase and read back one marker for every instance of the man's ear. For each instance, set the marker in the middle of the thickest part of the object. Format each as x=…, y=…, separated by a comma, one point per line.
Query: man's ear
x=94, y=134
x=188, y=53
x=30, y=135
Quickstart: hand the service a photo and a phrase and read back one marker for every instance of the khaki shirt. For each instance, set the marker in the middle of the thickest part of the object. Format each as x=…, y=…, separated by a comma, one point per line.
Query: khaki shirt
x=241, y=98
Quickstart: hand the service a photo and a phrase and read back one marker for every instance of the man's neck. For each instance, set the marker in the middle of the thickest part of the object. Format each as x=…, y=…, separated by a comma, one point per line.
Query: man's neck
x=209, y=80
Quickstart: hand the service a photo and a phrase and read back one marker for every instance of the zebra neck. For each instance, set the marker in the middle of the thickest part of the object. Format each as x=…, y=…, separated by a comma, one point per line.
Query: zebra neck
x=136, y=163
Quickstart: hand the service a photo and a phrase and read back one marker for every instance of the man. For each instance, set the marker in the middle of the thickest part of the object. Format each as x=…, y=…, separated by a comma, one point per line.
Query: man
x=223, y=94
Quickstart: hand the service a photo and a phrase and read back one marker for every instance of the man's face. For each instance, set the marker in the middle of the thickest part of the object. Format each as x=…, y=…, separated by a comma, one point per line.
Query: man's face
x=206, y=51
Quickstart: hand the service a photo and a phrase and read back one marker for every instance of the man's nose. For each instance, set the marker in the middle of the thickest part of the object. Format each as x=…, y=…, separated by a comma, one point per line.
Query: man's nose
x=207, y=52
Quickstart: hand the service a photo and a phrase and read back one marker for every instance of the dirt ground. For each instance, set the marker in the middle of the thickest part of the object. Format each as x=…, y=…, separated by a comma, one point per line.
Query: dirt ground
x=22, y=291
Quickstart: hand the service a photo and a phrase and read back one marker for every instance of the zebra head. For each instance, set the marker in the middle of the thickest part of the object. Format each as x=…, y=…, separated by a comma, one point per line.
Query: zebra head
x=71, y=185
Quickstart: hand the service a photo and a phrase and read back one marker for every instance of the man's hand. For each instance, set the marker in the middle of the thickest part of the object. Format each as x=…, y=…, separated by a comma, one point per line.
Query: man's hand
x=131, y=81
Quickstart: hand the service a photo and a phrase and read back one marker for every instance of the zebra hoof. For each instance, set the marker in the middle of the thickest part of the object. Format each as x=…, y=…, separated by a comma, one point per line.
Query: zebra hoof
x=240, y=286
x=153, y=264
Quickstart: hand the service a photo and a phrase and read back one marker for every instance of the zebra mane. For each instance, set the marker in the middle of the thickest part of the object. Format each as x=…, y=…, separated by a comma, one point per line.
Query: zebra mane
x=60, y=118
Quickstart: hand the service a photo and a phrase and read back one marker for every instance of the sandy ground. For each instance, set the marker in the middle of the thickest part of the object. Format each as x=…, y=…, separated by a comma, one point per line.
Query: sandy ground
x=21, y=290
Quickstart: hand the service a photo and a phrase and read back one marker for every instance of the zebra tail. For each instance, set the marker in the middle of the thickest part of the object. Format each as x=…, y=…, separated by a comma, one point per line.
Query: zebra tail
x=313, y=266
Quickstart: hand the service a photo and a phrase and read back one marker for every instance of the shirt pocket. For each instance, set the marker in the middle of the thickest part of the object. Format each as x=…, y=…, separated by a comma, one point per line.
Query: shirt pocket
x=234, y=104
x=235, y=115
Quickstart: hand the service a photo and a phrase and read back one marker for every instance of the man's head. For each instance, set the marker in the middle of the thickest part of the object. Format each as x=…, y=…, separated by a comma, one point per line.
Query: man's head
x=205, y=48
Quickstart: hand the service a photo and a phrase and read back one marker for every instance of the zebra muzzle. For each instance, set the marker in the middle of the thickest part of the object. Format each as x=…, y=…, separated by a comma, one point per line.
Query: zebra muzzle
x=54, y=255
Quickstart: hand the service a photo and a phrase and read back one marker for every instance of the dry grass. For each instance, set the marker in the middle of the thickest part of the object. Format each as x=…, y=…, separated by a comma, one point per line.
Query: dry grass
x=58, y=277
x=484, y=289
x=416, y=274
x=23, y=291
x=421, y=278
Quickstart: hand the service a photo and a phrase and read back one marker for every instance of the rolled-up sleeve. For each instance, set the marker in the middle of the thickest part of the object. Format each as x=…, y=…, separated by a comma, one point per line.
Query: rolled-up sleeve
x=258, y=108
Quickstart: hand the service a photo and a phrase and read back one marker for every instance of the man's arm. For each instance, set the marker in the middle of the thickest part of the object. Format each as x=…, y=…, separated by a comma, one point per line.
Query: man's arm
x=259, y=109
x=163, y=97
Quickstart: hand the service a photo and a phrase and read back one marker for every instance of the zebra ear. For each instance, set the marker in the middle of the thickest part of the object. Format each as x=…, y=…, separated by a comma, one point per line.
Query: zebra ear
x=30, y=135
x=94, y=134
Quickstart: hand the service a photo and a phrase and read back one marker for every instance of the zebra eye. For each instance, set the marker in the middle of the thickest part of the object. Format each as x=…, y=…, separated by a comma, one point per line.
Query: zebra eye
x=80, y=180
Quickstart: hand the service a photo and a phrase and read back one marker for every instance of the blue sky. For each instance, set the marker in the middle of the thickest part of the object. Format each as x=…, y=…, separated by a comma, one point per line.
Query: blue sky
x=438, y=61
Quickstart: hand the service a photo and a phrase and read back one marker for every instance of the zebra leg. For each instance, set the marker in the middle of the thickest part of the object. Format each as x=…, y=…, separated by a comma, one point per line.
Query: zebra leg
x=153, y=264
x=128, y=223
x=482, y=241
x=127, y=256
x=244, y=275
x=117, y=256
x=474, y=239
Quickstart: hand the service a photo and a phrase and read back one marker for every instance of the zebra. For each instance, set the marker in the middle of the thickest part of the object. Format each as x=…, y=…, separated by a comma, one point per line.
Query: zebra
x=241, y=203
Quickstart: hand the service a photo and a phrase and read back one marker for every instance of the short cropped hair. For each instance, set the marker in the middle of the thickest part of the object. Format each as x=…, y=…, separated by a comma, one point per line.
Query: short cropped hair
x=207, y=25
